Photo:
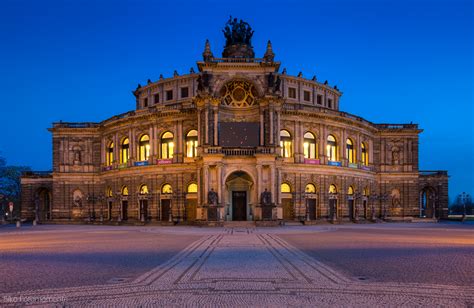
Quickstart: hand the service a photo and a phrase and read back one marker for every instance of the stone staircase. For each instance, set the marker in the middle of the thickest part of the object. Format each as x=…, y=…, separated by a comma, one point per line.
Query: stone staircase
x=239, y=224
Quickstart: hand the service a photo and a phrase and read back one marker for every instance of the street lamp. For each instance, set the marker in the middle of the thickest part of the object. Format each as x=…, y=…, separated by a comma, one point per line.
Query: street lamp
x=357, y=196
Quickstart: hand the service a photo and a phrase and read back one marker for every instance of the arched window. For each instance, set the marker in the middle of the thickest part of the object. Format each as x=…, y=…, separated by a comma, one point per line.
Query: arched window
x=350, y=151
x=125, y=191
x=192, y=188
x=310, y=189
x=144, y=148
x=167, y=145
x=166, y=189
x=332, y=189
x=350, y=191
x=109, y=158
x=125, y=151
x=285, y=188
x=365, y=154
x=191, y=143
x=309, y=146
x=285, y=143
x=143, y=189
x=366, y=192
x=331, y=148
x=109, y=193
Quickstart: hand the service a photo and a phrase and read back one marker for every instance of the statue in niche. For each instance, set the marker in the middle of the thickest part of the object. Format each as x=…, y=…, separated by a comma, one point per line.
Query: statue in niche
x=212, y=197
x=266, y=197
x=77, y=157
x=395, y=156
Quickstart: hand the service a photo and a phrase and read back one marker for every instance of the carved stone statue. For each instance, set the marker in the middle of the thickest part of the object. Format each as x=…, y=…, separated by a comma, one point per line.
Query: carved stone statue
x=395, y=156
x=204, y=82
x=238, y=39
x=77, y=157
x=276, y=88
x=266, y=197
x=212, y=197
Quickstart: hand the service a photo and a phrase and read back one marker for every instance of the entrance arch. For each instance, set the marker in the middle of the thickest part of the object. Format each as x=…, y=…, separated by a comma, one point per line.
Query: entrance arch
x=428, y=202
x=43, y=204
x=239, y=186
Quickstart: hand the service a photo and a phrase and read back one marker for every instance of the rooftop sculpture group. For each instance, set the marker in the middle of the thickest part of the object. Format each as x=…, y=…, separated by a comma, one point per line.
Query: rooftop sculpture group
x=237, y=32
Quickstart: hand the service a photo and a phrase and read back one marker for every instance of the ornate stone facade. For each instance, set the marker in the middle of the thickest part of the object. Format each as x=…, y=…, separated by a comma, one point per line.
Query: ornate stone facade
x=206, y=146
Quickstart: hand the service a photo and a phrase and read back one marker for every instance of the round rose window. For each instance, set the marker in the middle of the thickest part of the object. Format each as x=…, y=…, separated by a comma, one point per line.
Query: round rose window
x=238, y=93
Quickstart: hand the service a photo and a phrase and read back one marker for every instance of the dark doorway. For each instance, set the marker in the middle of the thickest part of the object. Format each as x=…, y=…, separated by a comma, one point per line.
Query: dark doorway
x=165, y=209
x=366, y=214
x=288, y=212
x=144, y=209
x=124, y=210
x=239, y=205
x=333, y=208
x=190, y=210
x=312, y=209
x=350, y=203
x=109, y=210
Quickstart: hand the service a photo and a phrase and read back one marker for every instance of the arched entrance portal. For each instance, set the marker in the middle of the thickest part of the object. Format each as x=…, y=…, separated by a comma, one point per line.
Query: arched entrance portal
x=427, y=203
x=238, y=186
x=43, y=204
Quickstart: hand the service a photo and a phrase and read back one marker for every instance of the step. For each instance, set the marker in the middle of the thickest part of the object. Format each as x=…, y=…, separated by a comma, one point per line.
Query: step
x=239, y=224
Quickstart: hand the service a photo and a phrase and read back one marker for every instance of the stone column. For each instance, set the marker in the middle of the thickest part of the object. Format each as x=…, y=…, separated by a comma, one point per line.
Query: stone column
x=271, y=126
x=206, y=125
x=262, y=128
x=216, y=142
x=152, y=142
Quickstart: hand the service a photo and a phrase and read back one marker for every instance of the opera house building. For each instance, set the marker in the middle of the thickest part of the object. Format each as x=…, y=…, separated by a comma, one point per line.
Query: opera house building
x=236, y=139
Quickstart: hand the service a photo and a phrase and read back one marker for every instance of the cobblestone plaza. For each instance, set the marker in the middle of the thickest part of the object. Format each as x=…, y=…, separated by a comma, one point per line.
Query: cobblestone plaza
x=325, y=265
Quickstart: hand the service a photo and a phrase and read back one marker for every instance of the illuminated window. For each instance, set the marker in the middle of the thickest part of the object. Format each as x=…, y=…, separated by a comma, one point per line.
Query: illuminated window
x=309, y=146
x=331, y=148
x=166, y=189
x=192, y=188
x=108, y=192
x=167, y=145
x=191, y=143
x=350, y=191
x=238, y=93
x=310, y=189
x=143, y=189
x=285, y=143
x=365, y=154
x=350, y=152
x=285, y=188
x=125, y=191
x=109, y=158
x=366, y=192
x=144, y=148
x=332, y=189
x=125, y=151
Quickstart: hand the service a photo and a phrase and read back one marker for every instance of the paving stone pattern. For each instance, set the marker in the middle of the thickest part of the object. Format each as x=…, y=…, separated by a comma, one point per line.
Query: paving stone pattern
x=246, y=267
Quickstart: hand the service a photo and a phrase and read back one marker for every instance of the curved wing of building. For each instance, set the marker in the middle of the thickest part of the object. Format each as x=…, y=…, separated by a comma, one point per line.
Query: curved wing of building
x=237, y=140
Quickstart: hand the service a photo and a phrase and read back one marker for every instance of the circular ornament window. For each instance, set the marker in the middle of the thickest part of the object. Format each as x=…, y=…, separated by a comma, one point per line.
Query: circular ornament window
x=238, y=93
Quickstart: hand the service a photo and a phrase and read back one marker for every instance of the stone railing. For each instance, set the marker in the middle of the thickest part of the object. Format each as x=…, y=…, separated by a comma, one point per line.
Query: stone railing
x=75, y=125
x=36, y=174
x=239, y=151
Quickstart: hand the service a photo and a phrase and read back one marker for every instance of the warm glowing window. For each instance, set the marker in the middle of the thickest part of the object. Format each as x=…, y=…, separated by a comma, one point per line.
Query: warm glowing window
x=310, y=189
x=125, y=151
x=332, y=189
x=350, y=191
x=309, y=146
x=143, y=189
x=191, y=143
x=192, y=188
x=167, y=145
x=166, y=189
x=109, y=193
x=109, y=158
x=285, y=143
x=364, y=154
x=285, y=188
x=331, y=148
x=350, y=152
x=125, y=191
x=144, y=148
x=366, y=191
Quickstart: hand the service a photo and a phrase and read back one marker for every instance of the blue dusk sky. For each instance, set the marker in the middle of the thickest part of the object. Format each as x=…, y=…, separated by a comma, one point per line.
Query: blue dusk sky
x=395, y=61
